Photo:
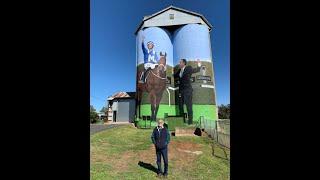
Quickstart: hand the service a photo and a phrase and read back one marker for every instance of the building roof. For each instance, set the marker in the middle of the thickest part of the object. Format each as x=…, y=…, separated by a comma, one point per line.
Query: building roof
x=145, y=18
x=122, y=95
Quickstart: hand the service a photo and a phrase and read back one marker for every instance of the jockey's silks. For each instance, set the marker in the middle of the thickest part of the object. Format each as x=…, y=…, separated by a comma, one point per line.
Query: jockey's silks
x=150, y=56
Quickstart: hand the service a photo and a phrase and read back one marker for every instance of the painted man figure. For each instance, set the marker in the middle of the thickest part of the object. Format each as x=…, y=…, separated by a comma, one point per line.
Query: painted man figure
x=160, y=138
x=185, y=88
x=150, y=58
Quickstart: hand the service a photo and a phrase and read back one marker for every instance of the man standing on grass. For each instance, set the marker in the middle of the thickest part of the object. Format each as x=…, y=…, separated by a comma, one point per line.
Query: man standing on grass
x=160, y=138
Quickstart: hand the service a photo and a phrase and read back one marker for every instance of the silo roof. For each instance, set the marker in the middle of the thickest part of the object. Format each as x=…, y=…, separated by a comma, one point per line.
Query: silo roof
x=145, y=18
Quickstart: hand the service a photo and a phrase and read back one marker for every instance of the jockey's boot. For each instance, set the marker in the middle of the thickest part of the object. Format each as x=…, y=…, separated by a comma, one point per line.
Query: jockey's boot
x=144, y=75
x=141, y=80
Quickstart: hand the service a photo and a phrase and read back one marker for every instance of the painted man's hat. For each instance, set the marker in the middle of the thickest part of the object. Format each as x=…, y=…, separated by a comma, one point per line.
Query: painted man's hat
x=150, y=42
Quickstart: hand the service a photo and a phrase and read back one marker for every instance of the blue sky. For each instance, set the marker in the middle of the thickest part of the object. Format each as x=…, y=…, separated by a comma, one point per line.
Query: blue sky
x=113, y=43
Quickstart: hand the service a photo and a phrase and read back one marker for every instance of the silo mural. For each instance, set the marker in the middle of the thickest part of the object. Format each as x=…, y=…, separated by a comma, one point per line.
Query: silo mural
x=154, y=73
x=192, y=43
x=163, y=85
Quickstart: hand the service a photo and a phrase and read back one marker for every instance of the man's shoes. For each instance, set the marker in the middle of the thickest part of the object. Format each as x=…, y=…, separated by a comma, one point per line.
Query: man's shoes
x=165, y=175
x=159, y=174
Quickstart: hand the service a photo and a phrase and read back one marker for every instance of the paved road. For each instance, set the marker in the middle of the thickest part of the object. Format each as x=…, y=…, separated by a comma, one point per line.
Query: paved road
x=94, y=128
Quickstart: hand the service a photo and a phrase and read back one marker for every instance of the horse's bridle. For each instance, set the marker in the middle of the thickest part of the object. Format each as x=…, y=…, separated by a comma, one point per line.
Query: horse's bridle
x=158, y=75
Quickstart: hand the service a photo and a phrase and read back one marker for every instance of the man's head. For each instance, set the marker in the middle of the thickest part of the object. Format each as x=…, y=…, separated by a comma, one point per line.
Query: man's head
x=150, y=45
x=182, y=63
x=160, y=122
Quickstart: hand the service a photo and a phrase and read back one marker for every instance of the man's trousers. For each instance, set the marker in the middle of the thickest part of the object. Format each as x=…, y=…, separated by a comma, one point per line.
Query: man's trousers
x=186, y=96
x=164, y=154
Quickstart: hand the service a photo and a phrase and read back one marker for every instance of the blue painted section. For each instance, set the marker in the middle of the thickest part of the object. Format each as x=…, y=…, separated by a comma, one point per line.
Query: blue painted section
x=162, y=43
x=191, y=42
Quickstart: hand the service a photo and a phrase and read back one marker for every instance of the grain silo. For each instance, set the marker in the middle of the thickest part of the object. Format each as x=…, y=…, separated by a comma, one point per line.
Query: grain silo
x=174, y=34
x=161, y=40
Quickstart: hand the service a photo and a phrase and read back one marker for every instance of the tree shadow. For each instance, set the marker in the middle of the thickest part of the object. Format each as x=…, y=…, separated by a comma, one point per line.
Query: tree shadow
x=148, y=166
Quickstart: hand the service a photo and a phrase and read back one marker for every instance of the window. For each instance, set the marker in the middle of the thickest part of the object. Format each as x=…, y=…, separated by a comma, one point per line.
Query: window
x=171, y=16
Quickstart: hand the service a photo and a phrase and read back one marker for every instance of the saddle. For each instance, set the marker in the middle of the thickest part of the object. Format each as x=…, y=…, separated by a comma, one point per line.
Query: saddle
x=146, y=74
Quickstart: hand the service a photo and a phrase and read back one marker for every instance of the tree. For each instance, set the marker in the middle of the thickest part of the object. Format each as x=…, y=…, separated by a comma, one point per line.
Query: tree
x=224, y=111
x=93, y=115
x=103, y=110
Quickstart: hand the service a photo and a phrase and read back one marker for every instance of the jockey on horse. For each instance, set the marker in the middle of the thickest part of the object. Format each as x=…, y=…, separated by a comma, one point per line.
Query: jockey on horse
x=150, y=59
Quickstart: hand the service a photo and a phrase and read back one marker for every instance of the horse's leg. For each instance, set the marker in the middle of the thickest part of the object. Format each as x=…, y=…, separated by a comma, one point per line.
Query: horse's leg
x=152, y=100
x=155, y=106
x=159, y=97
x=139, y=102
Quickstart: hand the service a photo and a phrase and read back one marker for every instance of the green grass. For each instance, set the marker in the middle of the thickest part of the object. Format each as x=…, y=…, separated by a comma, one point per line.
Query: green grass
x=115, y=154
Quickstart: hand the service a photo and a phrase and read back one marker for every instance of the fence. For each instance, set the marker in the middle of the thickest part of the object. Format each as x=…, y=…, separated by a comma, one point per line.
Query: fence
x=219, y=130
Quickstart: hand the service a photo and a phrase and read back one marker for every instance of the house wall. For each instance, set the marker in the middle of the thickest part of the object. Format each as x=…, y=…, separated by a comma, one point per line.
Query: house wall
x=125, y=110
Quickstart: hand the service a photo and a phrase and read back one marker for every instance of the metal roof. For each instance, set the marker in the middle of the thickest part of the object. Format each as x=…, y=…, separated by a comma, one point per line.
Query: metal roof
x=145, y=18
x=122, y=95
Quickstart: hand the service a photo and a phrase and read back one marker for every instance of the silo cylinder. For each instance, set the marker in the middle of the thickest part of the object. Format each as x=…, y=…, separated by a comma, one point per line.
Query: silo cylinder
x=192, y=42
x=145, y=56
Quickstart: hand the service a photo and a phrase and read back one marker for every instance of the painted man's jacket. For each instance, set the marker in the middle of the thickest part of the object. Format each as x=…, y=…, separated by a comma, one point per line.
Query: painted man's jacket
x=185, y=82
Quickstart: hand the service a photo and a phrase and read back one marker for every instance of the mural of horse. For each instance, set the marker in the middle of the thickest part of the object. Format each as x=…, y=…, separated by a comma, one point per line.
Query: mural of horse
x=154, y=85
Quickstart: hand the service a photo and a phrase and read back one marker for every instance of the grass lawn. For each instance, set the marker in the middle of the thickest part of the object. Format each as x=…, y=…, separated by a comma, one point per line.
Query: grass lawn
x=126, y=152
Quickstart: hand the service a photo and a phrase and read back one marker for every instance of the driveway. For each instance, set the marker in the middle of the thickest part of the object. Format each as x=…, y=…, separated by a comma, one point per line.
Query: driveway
x=94, y=128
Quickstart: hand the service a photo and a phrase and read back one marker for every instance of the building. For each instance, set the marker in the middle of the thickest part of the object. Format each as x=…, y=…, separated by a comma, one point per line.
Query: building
x=181, y=34
x=121, y=107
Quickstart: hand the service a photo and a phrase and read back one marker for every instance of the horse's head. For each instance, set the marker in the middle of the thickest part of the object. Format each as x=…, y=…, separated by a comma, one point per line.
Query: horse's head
x=162, y=61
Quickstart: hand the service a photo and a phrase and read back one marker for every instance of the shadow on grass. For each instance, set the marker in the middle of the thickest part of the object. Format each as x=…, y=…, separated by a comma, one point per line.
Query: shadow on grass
x=148, y=166
x=224, y=151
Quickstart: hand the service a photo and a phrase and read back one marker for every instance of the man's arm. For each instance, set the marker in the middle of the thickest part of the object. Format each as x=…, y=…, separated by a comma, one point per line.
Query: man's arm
x=197, y=69
x=176, y=75
x=188, y=70
x=152, y=138
x=144, y=50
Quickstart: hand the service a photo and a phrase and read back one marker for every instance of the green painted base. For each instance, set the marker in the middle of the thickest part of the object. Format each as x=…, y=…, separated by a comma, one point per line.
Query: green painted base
x=145, y=123
x=207, y=111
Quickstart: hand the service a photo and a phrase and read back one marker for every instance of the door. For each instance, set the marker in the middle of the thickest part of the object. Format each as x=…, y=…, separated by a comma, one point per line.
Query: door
x=114, y=116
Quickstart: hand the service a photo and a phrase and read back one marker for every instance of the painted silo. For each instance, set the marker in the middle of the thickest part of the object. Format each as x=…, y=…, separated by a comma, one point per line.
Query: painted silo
x=192, y=42
x=146, y=91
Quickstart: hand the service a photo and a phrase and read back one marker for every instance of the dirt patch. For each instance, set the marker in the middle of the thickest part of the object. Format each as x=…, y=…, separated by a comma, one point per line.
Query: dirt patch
x=148, y=155
x=121, y=164
x=186, y=146
x=187, y=151
x=174, y=151
x=179, y=153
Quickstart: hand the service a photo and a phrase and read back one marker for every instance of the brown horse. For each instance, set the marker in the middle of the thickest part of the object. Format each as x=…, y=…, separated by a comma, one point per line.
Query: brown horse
x=154, y=85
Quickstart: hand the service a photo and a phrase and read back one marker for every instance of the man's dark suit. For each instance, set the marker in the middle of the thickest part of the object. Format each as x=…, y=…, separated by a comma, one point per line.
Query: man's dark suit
x=185, y=89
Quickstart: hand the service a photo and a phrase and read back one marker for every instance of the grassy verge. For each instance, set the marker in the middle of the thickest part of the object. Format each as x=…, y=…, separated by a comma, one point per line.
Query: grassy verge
x=119, y=152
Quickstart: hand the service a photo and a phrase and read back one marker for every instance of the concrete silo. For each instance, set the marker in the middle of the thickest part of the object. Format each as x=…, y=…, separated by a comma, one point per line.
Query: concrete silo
x=161, y=41
x=192, y=42
x=180, y=34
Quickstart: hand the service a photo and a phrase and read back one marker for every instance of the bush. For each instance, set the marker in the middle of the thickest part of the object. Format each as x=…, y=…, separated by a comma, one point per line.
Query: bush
x=93, y=115
x=224, y=111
